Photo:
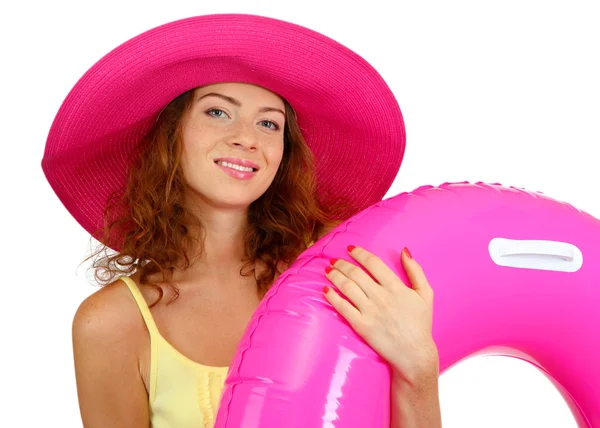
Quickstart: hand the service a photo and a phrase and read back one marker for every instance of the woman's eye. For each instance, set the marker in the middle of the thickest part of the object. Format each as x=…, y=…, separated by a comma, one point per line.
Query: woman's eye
x=215, y=112
x=269, y=124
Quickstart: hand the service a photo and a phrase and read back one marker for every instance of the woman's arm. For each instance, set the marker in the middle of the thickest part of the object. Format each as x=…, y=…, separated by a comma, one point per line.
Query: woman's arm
x=415, y=403
x=109, y=386
x=396, y=321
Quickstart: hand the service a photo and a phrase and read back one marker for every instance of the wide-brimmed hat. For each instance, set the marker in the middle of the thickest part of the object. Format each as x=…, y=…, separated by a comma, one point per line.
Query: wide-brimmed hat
x=346, y=112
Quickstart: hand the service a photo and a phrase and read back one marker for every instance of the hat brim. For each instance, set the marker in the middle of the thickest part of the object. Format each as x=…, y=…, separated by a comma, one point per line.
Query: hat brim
x=345, y=110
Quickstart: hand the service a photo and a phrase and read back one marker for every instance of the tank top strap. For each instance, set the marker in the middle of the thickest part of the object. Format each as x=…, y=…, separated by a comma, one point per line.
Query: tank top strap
x=142, y=305
x=154, y=334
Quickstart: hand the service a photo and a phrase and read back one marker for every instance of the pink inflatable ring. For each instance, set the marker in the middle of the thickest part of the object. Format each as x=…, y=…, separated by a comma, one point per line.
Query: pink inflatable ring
x=515, y=273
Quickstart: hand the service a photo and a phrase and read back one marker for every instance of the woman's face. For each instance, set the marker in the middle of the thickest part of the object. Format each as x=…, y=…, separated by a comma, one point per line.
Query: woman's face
x=232, y=137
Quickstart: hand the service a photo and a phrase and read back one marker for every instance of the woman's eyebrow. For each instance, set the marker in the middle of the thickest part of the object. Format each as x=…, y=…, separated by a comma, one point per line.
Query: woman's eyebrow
x=268, y=109
x=225, y=97
x=239, y=104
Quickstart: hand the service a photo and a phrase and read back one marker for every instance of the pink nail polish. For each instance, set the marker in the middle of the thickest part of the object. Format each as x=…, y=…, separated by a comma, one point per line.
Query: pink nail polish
x=408, y=254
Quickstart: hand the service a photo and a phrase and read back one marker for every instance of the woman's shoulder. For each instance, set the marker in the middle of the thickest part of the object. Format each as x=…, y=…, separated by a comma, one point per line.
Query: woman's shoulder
x=107, y=315
x=106, y=354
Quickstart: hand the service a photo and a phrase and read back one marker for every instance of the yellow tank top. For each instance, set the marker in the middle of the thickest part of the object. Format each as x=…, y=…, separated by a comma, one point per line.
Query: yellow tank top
x=182, y=392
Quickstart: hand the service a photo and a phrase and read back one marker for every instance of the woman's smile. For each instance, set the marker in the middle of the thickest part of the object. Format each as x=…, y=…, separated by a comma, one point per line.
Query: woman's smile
x=237, y=168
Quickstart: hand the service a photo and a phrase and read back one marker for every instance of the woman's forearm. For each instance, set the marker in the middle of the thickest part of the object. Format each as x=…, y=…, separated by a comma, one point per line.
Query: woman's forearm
x=415, y=403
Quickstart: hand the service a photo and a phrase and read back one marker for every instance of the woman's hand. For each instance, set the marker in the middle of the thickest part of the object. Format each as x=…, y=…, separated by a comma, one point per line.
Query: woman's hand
x=395, y=320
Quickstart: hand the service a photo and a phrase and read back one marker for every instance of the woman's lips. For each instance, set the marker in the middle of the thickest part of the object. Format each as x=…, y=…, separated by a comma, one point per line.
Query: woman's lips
x=236, y=173
x=238, y=161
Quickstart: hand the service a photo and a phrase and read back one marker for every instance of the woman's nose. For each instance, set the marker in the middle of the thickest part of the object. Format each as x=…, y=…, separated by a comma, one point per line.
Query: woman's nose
x=243, y=136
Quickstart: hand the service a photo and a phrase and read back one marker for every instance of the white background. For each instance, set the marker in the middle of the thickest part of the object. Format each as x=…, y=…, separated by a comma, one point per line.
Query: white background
x=494, y=91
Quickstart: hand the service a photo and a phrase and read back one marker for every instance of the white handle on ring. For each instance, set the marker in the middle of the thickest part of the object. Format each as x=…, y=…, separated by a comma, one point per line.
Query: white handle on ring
x=536, y=254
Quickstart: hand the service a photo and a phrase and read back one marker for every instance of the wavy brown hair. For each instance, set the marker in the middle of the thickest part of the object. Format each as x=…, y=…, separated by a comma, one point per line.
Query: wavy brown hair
x=148, y=221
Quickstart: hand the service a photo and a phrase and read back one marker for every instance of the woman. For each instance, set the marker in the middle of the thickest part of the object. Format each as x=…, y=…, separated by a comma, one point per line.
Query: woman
x=207, y=154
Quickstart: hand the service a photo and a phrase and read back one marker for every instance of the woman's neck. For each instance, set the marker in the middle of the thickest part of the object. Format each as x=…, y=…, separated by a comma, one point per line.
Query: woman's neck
x=220, y=242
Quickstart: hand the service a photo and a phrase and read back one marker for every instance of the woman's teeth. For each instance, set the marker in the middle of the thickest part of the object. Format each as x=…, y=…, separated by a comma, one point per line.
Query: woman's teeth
x=234, y=166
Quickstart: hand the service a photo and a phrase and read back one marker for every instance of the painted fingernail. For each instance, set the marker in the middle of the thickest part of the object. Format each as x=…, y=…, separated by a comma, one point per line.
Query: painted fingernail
x=351, y=247
x=325, y=289
x=407, y=253
x=333, y=260
x=328, y=269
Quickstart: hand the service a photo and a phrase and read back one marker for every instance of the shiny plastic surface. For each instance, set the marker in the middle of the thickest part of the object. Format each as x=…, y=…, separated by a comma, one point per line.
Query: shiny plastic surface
x=300, y=364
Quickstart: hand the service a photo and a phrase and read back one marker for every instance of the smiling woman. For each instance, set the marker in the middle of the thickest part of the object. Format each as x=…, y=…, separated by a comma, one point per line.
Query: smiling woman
x=195, y=135
x=203, y=190
x=237, y=124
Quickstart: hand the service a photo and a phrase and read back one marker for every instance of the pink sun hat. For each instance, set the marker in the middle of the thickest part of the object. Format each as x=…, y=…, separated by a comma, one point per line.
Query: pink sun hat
x=346, y=112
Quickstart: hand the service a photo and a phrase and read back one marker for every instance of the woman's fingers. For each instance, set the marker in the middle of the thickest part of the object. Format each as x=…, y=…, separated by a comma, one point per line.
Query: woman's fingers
x=416, y=275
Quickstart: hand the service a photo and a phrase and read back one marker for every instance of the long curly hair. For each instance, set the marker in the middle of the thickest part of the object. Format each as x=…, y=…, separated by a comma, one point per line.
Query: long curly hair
x=155, y=231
